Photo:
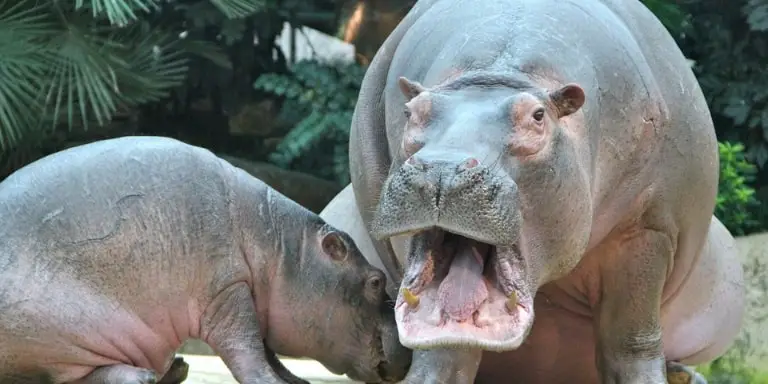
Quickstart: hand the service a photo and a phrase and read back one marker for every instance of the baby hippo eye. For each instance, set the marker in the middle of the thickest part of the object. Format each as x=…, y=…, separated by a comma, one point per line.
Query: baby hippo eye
x=538, y=115
x=407, y=113
x=374, y=282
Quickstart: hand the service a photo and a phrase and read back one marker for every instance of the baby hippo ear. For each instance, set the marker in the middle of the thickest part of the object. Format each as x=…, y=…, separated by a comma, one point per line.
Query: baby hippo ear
x=568, y=99
x=334, y=246
x=410, y=88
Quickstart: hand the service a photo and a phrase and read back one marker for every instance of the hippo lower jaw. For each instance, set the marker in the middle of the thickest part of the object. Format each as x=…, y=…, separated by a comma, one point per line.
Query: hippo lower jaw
x=459, y=292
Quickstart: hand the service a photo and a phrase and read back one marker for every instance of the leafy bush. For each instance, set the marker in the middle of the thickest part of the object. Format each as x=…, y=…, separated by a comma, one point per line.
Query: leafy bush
x=736, y=200
x=322, y=96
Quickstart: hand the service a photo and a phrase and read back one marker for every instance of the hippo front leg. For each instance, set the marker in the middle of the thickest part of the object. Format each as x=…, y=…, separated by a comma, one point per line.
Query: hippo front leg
x=444, y=366
x=281, y=370
x=231, y=327
x=629, y=346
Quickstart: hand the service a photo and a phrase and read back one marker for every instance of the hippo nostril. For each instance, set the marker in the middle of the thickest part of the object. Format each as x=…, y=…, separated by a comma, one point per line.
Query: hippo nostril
x=468, y=164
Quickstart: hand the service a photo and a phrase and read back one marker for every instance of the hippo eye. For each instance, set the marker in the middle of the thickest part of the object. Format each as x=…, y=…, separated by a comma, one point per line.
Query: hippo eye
x=407, y=113
x=538, y=115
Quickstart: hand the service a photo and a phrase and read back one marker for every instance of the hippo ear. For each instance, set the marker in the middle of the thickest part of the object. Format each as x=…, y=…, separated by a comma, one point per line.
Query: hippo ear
x=568, y=99
x=410, y=88
x=334, y=246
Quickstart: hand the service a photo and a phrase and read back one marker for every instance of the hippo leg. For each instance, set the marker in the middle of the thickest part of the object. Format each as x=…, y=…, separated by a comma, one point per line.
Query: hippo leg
x=177, y=373
x=629, y=337
x=681, y=374
x=119, y=374
x=281, y=370
x=230, y=325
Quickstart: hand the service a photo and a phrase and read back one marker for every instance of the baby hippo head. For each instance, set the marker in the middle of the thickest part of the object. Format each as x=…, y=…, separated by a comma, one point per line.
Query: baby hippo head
x=336, y=310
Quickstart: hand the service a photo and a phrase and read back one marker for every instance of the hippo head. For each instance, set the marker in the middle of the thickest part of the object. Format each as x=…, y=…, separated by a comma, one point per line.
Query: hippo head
x=488, y=199
x=336, y=310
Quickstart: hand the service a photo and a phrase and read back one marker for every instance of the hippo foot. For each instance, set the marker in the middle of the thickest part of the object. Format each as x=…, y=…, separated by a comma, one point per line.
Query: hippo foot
x=119, y=374
x=177, y=373
x=444, y=366
x=680, y=374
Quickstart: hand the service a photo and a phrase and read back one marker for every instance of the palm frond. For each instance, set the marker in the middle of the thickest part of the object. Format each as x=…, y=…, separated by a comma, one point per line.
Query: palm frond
x=207, y=50
x=24, y=30
x=154, y=63
x=119, y=12
x=234, y=9
x=97, y=73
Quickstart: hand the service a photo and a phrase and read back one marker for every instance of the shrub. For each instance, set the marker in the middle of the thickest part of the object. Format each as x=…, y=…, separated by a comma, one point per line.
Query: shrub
x=321, y=97
x=736, y=200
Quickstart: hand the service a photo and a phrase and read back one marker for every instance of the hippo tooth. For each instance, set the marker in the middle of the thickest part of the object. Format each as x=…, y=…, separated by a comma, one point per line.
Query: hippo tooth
x=410, y=298
x=512, y=302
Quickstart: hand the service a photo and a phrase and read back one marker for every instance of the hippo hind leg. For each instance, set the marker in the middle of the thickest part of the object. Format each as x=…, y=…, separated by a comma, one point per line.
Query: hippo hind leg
x=177, y=373
x=119, y=374
x=680, y=374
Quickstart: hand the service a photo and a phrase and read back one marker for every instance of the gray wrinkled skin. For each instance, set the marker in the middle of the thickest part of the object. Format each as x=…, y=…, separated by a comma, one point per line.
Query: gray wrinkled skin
x=556, y=160
x=115, y=252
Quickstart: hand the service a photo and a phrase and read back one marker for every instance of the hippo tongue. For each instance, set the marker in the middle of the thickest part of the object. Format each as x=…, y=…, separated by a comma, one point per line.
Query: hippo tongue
x=463, y=289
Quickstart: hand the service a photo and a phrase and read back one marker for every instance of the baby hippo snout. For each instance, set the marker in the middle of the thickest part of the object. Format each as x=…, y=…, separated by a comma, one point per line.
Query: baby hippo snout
x=397, y=358
x=350, y=313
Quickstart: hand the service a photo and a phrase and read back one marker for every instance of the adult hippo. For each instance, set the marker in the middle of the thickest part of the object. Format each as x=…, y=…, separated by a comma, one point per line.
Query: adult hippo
x=549, y=157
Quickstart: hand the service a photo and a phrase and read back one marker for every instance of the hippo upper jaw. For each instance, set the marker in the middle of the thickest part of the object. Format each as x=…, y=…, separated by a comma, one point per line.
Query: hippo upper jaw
x=459, y=292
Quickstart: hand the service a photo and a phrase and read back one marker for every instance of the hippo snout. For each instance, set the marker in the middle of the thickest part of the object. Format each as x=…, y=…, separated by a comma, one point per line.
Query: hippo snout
x=397, y=358
x=456, y=192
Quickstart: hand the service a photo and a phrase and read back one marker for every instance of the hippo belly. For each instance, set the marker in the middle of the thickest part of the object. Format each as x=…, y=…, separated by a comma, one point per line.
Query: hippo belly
x=74, y=329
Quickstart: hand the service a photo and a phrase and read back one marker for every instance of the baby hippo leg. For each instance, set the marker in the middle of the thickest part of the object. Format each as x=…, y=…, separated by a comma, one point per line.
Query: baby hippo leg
x=230, y=325
x=177, y=373
x=119, y=374
x=281, y=370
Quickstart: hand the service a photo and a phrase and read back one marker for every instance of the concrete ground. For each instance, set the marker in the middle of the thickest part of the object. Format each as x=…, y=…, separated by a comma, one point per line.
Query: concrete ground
x=207, y=369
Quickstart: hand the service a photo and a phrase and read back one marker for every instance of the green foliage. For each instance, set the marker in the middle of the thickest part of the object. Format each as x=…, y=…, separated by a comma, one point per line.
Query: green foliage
x=670, y=14
x=730, y=369
x=83, y=61
x=730, y=47
x=756, y=12
x=323, y=96
x=736, y=199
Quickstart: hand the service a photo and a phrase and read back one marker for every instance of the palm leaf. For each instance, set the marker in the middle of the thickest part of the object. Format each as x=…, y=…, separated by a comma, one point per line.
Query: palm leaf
x=24, y=61
x=234, y=9
x=119, y=12
x=97, y=73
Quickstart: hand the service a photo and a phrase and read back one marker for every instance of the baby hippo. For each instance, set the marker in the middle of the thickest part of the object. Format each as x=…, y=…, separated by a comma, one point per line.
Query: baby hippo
x=114, y=253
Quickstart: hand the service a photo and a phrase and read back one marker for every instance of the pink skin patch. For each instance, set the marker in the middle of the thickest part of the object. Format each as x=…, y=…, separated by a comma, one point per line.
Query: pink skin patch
x=463, y=289
x=461, y=297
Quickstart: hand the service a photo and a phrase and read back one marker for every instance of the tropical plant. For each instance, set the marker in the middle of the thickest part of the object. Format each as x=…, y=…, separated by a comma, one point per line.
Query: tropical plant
x=736, y=200
x=322, y=97
x=82, y=62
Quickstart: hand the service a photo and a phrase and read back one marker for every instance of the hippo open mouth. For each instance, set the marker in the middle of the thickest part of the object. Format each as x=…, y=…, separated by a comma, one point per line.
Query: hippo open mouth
x=461, y=292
